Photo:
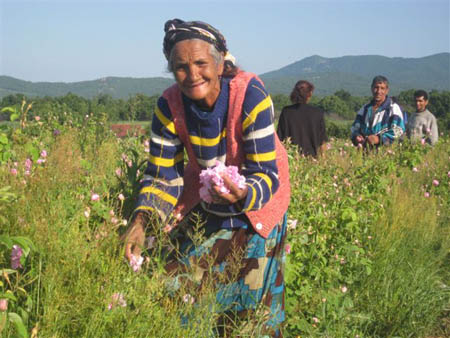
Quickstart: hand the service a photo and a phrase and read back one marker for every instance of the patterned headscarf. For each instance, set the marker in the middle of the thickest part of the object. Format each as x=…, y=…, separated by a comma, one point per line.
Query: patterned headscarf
x=178, y=30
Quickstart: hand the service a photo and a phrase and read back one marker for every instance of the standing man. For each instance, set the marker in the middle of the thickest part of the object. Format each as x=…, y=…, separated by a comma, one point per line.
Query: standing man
x=303, y=123
x=380, y=122
x=422, y=124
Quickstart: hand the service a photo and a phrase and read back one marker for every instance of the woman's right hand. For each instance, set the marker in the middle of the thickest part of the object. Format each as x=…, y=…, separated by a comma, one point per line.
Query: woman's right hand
x=134, y=237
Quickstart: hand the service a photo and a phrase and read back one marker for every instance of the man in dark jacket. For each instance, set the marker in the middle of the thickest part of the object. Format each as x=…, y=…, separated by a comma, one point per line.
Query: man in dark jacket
x=303, y=123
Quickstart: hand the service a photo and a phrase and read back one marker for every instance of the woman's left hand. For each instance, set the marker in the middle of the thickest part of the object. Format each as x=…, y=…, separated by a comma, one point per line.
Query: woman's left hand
x=236, y=194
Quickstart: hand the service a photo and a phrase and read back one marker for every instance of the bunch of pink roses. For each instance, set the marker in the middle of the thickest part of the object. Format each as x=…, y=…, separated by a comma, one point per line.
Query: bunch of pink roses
x=213, y=177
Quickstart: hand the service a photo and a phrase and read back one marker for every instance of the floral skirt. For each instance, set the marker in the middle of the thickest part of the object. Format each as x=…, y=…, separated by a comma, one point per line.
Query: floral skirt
x=246, y=269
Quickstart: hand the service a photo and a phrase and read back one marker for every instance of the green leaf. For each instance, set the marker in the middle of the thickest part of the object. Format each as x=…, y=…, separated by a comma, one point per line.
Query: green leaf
x=9, y=110
x=3, y=139
x=17, y=321
x=13, y=117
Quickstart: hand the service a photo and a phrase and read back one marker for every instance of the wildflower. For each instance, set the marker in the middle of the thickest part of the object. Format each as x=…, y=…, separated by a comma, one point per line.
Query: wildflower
x=448, y=174
x=435, y=183
x=37, y=118
x=287, y=248
x=124, y=222
x=292, y=223
x=146, y=143
x=119, y=172
x=121, y=197
x=3, y=305
x=95, y=197
x=124, y=157
x=27, y=173
x=129, y=163
x=315, y=320
x=324, y=300
x=111, y=213
x=422, y=141
x=117, y=300
x=87, y=213
x=40, y=161
x=16, y=253
x=415, y=169
x=342, y=261
x=13, y=171
x=28, y=164
x=369, y=237
x=344, y=289
x=136, y=262
x=167, y=228
x=114, y=220
x=56, y=132
x=43, y=153
x=187, y=298
x=426, y=194
x=147, y=150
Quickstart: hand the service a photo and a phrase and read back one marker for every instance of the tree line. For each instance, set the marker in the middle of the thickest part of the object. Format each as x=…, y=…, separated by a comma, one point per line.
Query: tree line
x=341, y=106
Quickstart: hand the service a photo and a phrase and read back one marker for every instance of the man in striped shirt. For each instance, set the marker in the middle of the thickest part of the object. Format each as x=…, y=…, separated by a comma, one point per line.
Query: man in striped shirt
x=380, y=122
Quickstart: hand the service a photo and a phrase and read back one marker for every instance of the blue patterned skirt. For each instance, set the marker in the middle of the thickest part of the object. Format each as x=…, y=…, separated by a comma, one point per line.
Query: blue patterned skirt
x=247, y=270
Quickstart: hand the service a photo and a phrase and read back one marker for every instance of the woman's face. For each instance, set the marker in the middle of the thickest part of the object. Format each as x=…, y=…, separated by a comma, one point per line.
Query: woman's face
x=196, y=72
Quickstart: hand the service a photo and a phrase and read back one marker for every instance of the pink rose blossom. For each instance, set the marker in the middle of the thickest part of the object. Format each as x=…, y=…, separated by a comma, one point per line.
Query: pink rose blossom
x=117, y=300
x=187, y=298
x=435, y=183
x=136, y=262
x=3, y=305
x=28, y=164
x=292, y=223
x=287, y=248
x=95, y=197
x=213, y=177
x=13, y=171
x=43, y=153
x=16, y=253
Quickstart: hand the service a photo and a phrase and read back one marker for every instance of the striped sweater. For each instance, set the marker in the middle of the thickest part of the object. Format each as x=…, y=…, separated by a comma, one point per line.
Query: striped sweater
x=163, y=183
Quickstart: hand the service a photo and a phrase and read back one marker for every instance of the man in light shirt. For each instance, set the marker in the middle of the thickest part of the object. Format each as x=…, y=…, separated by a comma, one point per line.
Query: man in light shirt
x=422, y=125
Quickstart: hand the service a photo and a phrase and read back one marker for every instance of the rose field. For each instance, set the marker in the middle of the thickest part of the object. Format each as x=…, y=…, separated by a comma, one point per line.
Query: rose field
x=367, y=253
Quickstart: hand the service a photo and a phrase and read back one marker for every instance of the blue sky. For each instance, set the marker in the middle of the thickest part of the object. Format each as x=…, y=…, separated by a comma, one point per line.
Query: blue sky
x=85, y=40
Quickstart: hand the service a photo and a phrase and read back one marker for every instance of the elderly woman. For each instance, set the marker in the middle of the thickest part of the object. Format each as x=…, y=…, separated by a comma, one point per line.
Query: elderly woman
x=216, y=112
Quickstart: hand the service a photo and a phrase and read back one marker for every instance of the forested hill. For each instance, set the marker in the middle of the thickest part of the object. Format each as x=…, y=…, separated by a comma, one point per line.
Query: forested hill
x=117, y=87
x=350, y=73
x=354, y=73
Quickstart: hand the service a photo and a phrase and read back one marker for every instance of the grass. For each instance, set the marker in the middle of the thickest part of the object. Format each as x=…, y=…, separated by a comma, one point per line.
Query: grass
x=397, y=280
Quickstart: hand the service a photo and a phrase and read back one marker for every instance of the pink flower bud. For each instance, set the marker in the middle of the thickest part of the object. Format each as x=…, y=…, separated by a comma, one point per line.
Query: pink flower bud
x=136, y=262
x=119, y=172
x=435, y=183
x=3, y=305
x=426, y=194
x=13, y=171
x=43, y=153
x=121, y=197
x=111, y=213
x=95, y=197
x=187, y=298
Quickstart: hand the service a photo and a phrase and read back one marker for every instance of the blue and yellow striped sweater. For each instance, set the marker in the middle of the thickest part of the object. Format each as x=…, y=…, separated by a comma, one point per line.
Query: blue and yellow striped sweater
x=163, y=180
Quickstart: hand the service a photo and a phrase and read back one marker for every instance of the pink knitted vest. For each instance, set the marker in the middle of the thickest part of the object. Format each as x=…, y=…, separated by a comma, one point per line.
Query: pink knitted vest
x=263, y=220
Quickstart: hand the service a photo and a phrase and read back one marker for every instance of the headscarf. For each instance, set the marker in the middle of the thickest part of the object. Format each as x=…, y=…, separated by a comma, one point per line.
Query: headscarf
x=178, y=30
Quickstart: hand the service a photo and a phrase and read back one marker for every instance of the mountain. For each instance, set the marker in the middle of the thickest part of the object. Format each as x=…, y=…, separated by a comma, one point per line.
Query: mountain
x=355, y=73
x=351, y=73
x=117, y=87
